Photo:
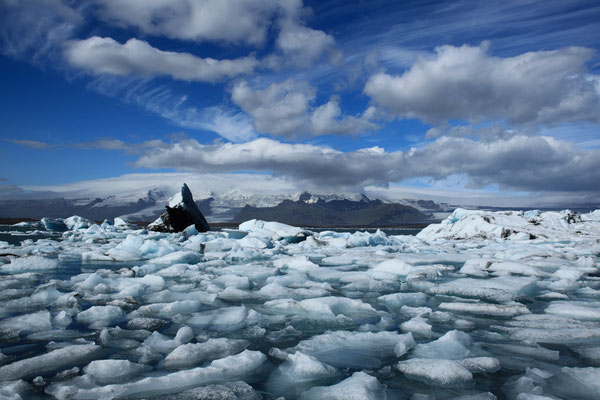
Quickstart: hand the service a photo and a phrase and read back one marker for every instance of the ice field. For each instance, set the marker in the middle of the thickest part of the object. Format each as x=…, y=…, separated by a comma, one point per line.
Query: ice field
x=484, y=305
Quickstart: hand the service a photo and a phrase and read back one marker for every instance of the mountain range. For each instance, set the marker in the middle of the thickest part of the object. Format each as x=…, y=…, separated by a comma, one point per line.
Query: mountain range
x=231, y=206
x=308, y=211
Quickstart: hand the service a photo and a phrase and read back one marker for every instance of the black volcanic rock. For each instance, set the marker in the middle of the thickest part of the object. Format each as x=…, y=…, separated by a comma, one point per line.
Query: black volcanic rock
x=334, y=213
x=181, y=212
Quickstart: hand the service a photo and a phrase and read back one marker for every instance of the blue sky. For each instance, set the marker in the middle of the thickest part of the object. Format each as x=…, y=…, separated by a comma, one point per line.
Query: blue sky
x=496, y=97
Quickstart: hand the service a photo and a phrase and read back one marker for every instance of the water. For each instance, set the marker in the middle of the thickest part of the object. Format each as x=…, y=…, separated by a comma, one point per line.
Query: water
x=343, y=273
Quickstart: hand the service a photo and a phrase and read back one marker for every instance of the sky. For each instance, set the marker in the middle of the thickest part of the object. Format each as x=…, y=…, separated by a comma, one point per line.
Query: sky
x=488, y=100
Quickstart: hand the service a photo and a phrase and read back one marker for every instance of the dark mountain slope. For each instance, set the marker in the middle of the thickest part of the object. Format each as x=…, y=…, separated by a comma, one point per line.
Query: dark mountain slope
x=335, y=213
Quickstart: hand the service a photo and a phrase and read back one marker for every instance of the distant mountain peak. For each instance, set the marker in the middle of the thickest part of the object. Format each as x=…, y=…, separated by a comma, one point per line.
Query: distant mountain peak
x=364, y=198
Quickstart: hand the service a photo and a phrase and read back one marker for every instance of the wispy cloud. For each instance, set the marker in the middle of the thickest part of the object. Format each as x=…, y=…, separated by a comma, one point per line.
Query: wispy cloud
x=162, y=101
x=34, y=30
x=33, y=144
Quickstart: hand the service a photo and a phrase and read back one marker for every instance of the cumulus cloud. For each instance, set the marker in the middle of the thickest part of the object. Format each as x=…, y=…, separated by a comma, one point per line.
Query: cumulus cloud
x=34, y=29
x=520, y=162
x=302, y=45
x=233, y=21
x=466, y=83
x=286, y=109
x=214, y=20
x=137, y=58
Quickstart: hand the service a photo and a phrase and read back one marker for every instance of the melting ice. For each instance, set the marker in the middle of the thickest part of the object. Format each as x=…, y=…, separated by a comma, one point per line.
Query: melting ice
x=484, y=305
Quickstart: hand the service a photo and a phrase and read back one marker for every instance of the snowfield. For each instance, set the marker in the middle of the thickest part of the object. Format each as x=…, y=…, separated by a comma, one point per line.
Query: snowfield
x=484, y=305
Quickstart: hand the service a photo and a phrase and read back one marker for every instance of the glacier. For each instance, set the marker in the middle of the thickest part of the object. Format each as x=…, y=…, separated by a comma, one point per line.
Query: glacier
x=483, y=305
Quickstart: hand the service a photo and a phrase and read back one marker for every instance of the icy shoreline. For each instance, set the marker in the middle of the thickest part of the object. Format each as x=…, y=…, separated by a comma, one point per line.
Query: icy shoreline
x=492, y=304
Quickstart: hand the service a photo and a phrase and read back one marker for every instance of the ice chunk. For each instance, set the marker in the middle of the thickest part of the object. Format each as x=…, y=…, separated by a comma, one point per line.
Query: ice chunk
x=178, y=257
x=352, y=349
x=76, y=222
x=15, y=390
x=49, y=362
x=183, y=335
x=453, y=345
x=476, y=267
x=590, y=353
x=513, y=268
x=227, y=391
x=30, y=263
x=167, y=310
x=395, y=301
x=445, y=373
x=301, y=263
x=322, y=307
x=150, y=324
x=485, y=309
x=55, y=225
x=223, y=370
x=113, y=371
x=159, y=343
x=298, y=372
x=274, y=230
x=481, y=364
x=575, y=309
x=528, y=351
x=250, y=241
x=418, y=326
x=189, y=355
x=404, y=345
x=588, y=378
x=359, y=386
x=501, y=289
x=225, y=319
x=548, y=328
x=394, y=267
x=122, y=224
x=100, y=316
x=25, y=324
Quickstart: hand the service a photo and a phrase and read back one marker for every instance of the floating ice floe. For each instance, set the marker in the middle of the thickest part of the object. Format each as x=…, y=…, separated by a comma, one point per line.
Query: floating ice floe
x=358, y=387
x=114, y=311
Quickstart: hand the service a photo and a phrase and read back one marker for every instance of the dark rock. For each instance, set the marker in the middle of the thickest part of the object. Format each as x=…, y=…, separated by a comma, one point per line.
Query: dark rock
x=181, y=212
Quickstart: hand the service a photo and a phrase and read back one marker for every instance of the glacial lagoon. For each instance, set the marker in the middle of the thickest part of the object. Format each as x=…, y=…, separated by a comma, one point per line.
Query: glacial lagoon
x=484, y=305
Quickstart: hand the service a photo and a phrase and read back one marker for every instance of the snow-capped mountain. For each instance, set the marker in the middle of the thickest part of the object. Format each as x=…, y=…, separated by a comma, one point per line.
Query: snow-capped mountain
x=142, y=197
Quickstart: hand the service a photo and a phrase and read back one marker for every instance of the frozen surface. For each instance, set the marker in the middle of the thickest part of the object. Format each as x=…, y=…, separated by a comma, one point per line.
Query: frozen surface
x=484, y=305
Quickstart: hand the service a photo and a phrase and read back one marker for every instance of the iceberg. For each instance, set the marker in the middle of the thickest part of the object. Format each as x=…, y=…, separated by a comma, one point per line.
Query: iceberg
x=181, y=212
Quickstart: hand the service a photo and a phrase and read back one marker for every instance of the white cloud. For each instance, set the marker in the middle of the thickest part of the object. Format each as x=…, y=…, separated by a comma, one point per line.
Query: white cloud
x=137, y=58
x=285, y=109
x=214, y=20
x=235, y=127
x=33, y=144
x=466, y=83
x=521, y=162
x=234, y=21
x=33, y=29
x=176, y=108
x=301, y=45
